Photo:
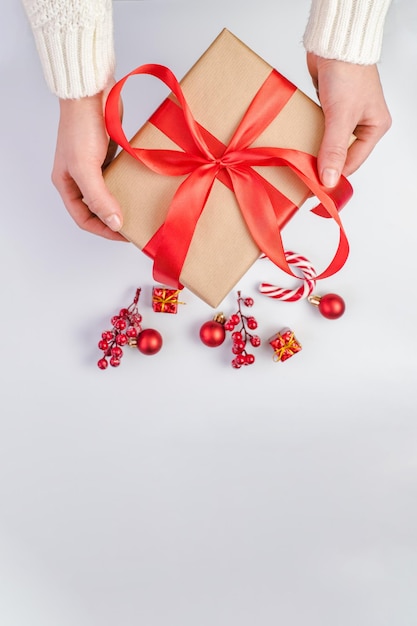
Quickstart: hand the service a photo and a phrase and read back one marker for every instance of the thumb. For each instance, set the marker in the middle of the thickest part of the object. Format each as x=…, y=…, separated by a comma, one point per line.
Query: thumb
x=332, y=154
x=101, y=202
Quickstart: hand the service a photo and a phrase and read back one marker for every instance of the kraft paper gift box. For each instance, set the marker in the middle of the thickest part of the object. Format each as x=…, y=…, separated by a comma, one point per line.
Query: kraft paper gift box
x=218, y=90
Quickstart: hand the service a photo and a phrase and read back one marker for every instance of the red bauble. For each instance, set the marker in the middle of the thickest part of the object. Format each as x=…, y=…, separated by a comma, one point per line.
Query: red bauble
x=149, y=341
x=331, y=306
x=212, y=334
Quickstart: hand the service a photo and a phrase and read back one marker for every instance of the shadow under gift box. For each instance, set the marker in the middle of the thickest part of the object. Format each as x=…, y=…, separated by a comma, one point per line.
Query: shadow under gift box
x=218, y=89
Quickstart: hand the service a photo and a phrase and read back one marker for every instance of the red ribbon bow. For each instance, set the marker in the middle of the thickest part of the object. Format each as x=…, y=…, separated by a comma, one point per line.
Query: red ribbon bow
x=260, y=203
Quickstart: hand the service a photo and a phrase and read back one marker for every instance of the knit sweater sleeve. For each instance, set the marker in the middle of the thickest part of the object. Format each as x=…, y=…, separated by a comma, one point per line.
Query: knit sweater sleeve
x=74, y=39
x=347, y=30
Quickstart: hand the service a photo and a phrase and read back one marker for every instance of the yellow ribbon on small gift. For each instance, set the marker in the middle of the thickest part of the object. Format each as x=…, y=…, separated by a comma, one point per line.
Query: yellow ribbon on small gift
x=167, y=297
x=289, y=345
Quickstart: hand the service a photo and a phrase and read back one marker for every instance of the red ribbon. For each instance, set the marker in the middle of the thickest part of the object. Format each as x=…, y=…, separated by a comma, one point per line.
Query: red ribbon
x=203, y=159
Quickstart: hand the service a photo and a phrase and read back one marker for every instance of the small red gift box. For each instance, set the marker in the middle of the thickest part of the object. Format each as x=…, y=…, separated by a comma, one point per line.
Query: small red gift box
x=165, y=300
x=285, y=345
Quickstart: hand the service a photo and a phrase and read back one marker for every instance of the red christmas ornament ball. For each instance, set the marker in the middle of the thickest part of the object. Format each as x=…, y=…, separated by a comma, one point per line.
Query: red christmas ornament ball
x=212, y=334
x=149, y=341
x=331, y=306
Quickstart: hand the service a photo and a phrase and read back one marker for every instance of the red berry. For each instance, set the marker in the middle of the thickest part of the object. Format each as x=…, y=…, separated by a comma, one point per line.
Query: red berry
x=248, y=301
x=123, y=313
x=103, y=345
x=252, y=323
x=255, y=341
x=228, y=325
x=131, y=331
x=114, y=362
x=102, y=363
x=237, y=336
x=117, y=352
x=234, y=319
x=120, y=324
x=249, y=359
x=114, y=320
x=135, y=319
x=240, y=359
x=235, y=364
x=121, y=339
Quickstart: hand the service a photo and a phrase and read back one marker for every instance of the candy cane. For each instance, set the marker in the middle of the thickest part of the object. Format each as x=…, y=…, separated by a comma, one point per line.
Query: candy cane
x=291, y=295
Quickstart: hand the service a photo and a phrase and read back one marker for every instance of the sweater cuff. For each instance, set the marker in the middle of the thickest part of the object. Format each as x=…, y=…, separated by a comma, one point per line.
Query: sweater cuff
x=79, y=61
x=346, y=30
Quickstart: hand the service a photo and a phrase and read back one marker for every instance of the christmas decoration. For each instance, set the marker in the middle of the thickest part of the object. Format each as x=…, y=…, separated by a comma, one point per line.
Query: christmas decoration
x=240, y=325
x=127, y=330
x=212, y=333
x=330, y=305
x=285, y=345
x=303, y=291
x=165, y=300
x=149, y=341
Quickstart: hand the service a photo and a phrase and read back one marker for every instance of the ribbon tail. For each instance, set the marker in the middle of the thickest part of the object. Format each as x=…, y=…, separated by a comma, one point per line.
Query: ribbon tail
x=177, y=232
x=259, y=215
x=304, y=165
x=341, y=194
x=331, y=202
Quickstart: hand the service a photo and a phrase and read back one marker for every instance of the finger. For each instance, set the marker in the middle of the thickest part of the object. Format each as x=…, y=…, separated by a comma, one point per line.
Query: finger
x=88, y=221
x=99, y=199
x=366, y=139
x=80, y=212
x=333, y=150
x=89, y=185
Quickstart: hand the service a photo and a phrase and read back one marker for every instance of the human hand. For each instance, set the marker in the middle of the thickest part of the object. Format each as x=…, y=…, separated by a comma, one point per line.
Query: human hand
x=82, y=150
x=352, y=100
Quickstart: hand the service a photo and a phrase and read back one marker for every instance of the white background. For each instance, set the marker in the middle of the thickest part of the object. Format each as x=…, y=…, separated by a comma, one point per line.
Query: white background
x=176, y=491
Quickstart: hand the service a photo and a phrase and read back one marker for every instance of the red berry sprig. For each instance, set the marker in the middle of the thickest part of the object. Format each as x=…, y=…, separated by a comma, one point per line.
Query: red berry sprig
x=240, y=325
x=126, y=328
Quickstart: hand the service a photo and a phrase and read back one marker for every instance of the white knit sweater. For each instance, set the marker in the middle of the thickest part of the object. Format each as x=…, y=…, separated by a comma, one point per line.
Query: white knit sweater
x=347, y=30
x=74, y=38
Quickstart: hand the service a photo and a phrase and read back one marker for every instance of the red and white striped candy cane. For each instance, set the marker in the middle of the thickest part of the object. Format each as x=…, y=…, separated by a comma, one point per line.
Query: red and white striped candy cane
x=303, y=291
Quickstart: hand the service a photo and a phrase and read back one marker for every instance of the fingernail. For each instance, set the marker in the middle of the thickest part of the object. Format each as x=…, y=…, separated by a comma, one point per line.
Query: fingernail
x=330, y=177
x=114, y=222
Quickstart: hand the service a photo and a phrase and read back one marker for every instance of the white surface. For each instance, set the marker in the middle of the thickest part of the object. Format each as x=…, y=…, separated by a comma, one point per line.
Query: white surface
x=175, y=490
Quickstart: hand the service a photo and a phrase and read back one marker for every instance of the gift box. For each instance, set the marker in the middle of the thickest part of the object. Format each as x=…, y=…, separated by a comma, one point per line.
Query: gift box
x=209, y=181
x=284, y=344
x=165, y=300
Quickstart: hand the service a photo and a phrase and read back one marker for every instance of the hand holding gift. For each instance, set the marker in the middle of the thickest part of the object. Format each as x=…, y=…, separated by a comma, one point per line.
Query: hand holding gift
x=352, y=100
x=350, y=93
x=82, y=149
